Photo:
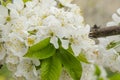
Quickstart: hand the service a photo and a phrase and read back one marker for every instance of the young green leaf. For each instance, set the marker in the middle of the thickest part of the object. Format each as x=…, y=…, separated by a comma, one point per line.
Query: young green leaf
x=112, y=75
x=97, y=71
x=5, y=2
x=71, y=64
x=42, y=53
x=70, y=50
x=113, y=44
x=82, y=57
x=33, y=32
x=51, y=68
x=40, y=45
x=115, y=77
x=26, y=1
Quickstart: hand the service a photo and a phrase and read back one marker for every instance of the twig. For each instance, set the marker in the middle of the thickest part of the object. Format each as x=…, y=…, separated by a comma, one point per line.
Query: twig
x=97, y=32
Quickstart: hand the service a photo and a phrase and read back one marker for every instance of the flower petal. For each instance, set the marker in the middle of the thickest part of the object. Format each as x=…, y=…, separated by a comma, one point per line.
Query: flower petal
x=54, y=41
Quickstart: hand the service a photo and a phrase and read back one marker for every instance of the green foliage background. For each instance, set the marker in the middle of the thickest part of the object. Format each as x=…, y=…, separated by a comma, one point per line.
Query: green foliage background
x=5, y=74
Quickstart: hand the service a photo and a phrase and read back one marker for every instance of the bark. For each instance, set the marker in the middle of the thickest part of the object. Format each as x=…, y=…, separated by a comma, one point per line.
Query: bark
x=97, y=32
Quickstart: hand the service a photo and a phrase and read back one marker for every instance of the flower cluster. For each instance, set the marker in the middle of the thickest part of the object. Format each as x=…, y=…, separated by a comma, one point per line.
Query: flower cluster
x=24, y=24
x=110, y=47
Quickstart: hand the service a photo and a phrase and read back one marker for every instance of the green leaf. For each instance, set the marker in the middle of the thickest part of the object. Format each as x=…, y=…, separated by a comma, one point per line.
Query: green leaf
x=112, y=44
x=26, y=1
x=115, y=77
x=70, y=50
x=71, y=64
x=60, y=5
x=5, y=72
x=109, y=72
x=82, y=57
x=51, y=68
x=42, y=53
x=33, y=32
x=112, y=75
x=97, y=71
x=5, y=2
x=8, y=18
x=40, y=45
x=101, y=78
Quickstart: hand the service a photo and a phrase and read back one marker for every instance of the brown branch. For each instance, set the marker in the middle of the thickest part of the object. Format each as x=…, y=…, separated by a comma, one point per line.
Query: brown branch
x=97, y=32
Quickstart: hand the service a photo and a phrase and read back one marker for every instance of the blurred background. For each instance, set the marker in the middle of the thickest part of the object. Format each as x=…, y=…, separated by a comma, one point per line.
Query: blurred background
x=98, y=11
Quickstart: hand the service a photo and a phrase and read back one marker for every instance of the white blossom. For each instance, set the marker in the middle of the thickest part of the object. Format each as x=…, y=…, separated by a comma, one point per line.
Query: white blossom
x=110, y=57
x=3, y=14
x=44, y=16
x=116, y=19
x=48, y=20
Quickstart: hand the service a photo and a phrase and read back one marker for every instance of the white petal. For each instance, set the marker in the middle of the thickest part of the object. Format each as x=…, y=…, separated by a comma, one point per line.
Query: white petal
x=11, y=6
x=65, y=2
x=54, y=41
x=87, y=29
x=76, y=49
x=2, y=20
x=3, y=14
x=118, y=11
x=36, y=62
x=111, y=23
x=14, y=13
x=65, y=43
x=31, y=4
x=12, y=59
x=116, y=18
x=3, y=11
x=35, y=71
x=19, y=4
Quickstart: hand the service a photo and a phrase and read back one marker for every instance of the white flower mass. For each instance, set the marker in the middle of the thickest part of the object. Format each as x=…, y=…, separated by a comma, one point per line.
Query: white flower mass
x=24, y=24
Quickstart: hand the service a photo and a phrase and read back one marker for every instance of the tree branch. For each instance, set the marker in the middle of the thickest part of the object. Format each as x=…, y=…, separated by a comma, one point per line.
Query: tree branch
x=97, y=32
